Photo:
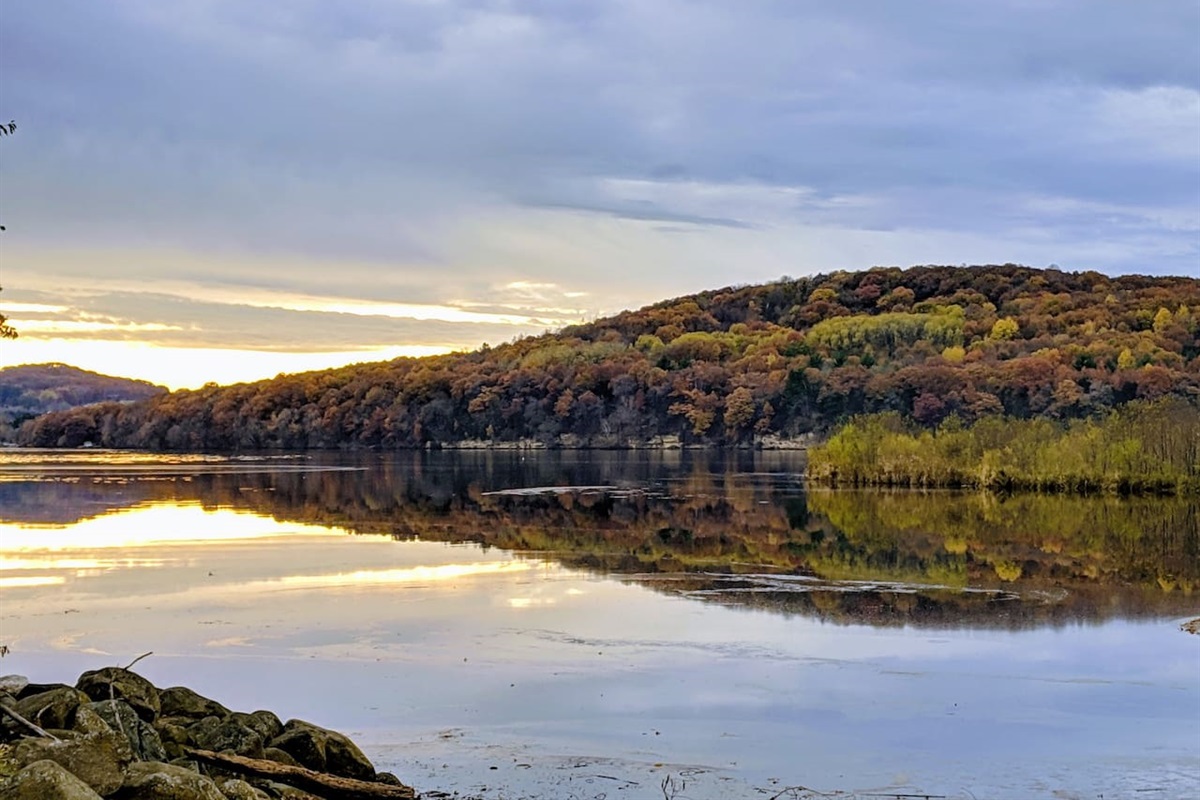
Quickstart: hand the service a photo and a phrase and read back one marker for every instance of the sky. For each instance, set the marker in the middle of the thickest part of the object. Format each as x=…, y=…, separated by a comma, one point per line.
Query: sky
x=223, y=190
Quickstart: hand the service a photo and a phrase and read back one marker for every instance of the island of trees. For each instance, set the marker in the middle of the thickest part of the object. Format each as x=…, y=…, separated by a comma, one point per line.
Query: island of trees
x=937, y=348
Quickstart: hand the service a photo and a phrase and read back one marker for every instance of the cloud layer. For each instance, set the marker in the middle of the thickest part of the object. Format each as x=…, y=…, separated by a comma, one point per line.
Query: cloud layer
x=449, y=153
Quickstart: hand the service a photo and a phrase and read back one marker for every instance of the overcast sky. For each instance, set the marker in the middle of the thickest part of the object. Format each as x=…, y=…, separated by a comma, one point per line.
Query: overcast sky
x=259, y=181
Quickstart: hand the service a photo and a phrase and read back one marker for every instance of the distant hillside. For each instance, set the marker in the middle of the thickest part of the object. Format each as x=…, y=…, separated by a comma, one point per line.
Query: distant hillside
x=35, y=389
x=723, y=366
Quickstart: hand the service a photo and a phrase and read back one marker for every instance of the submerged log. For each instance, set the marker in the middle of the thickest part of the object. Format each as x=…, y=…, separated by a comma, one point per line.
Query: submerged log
x=333, y=787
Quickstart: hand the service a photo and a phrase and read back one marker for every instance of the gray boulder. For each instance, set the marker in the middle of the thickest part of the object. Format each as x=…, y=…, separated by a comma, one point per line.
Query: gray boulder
x=52, y=709
x=264, y=723
x=99, y=760
x=45, y=780
x=122, y=718
x=88, y=721
x=121, y=684
x=150, y=780
x=236, y=789
x=173, y=735
x=37, y=688
x=180, y=701
x=229, y=734
x=280, y=756
x=13, y=684
x=324, y=750
x=285, y=792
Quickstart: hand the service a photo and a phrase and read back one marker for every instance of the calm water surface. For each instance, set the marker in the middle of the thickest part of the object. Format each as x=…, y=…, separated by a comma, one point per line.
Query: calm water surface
x=592, y=625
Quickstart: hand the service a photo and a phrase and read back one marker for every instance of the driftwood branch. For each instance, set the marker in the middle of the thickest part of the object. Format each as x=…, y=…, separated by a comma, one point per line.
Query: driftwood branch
x=129, y=666
x=333, y=787
x=26, y=723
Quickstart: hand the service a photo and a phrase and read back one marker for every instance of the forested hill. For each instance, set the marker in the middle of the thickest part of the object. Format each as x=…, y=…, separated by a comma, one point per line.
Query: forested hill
x=723, y=366
x=34, y=389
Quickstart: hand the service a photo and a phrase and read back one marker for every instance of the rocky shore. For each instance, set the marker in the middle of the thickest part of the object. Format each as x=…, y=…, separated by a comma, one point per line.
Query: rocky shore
x=115, y=735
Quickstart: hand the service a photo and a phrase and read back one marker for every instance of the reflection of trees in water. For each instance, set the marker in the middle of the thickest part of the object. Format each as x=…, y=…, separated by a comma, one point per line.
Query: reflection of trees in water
x=724, y=527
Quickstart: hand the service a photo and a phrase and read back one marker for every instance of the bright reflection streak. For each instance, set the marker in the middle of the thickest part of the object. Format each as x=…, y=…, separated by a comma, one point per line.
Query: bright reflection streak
x=152, y=526
x=531, y=602
x=389, y=577
x=14, y=564
x=46, y=580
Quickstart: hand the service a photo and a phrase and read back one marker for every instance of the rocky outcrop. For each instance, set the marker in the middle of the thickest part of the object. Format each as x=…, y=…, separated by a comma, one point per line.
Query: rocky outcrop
x=115, y=735
x=114, y=683
x=46, y=780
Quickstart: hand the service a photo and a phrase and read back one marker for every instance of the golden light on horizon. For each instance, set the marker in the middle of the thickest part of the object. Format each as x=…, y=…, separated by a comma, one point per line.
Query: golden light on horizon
x=191, y=367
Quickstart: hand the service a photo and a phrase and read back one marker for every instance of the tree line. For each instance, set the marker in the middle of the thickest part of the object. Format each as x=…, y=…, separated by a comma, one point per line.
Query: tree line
x=787, y=358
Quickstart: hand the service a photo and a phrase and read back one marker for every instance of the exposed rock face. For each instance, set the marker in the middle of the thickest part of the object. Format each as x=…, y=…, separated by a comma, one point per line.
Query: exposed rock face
x=324, y=750
x=45, y=780
x=120, y=684
x=99, y=760
x=142, y=736
x=113, y=734
x=148, y=780
x=264, y=723
x=281, y=756
x=180, y=701
x=54, y=708
x=230, y=734
x=234, y=789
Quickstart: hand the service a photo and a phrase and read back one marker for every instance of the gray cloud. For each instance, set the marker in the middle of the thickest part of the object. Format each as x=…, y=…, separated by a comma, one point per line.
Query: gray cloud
x=377, y=137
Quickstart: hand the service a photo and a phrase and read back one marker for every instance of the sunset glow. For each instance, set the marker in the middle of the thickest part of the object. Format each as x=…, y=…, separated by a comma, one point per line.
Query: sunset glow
x=189, y=367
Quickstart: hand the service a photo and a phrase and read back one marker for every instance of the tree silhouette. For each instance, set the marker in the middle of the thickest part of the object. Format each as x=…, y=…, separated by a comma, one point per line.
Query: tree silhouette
x=7, y=331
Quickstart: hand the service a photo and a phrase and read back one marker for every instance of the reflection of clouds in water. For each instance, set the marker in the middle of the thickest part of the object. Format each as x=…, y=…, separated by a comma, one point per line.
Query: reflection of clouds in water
x=530, y=602
x=389, y=577
x=230, y=641
x=155, y=525
x=7, y=582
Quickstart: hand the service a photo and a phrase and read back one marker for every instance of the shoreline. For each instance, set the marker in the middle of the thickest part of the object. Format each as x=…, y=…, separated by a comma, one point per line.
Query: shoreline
x=115, y=734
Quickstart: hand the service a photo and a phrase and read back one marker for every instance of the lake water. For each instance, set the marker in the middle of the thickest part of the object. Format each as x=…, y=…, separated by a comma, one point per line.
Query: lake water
x=624, y=625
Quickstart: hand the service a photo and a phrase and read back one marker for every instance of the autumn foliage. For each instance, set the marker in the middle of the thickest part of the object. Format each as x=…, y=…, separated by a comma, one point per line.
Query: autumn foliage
x=722, y=367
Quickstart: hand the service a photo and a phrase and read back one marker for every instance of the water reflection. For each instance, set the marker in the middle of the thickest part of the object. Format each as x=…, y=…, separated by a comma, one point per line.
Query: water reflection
x=495, y=634
x=737, y=529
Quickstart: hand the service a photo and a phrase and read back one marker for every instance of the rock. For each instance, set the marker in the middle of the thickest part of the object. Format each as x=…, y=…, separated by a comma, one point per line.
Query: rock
x=173, y=735
x=236, y=789
x=98, y=760
x=281, y=756
x=38, y=688
x=13, y=684
x=52, y=709
x=324, y=750
x=187, y=763
x=344, y=758
x=180, y=701
x=122, y=718
x=121, y=684
x=88, y=721
x=201, y=728
x=149, y=780
x=230, y=734
x=46, y=780
x=264, y=723
x=285, y=792
x=388, y=778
